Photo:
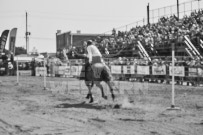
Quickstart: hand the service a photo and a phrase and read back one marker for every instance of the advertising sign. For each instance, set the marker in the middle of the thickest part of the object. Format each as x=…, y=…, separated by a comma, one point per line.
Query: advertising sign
x=193, y=72
x=115, y=69
x=159, y=70
x=129, y=69
x=25, y=72
x=143, y=70
x=178, y=71
x=40, y=71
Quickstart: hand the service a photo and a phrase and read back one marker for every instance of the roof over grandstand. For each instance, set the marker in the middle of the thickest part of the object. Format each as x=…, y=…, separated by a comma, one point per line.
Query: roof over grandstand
x=78, y=33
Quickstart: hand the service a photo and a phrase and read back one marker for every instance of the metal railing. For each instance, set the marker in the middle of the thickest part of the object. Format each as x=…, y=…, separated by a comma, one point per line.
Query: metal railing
x=184, y=9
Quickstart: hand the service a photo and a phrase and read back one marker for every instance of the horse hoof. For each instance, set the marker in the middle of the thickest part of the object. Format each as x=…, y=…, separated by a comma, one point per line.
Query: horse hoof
x=113, y=96
x=88, y=96
x=105, y=97
x=91, y=100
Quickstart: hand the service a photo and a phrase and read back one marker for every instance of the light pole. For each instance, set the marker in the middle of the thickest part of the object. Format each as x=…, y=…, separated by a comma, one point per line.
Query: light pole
x=178, y=9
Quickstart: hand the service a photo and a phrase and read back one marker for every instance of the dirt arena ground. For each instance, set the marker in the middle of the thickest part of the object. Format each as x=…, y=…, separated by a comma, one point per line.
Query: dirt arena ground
x=61, y=109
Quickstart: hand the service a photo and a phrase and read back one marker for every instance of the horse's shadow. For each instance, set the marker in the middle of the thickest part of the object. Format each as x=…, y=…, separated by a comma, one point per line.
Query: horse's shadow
x=80, y=105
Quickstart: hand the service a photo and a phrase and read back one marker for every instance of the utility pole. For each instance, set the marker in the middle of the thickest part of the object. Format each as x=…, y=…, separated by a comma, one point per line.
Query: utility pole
x=148, y=17
x=178, y=9
x=26, y=35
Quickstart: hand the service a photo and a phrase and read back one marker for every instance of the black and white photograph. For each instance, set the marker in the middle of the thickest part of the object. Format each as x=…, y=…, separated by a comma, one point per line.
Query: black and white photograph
x=101, y=67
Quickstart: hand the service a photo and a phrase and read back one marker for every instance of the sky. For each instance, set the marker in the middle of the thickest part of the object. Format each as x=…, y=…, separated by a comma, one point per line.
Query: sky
x=45, y=17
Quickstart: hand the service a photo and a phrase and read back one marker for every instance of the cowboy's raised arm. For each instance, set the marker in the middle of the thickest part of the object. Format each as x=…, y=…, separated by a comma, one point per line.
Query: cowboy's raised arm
x=81, y=55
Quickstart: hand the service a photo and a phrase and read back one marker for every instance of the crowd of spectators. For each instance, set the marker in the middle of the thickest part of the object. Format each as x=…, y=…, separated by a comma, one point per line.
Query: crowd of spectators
x=154, y=35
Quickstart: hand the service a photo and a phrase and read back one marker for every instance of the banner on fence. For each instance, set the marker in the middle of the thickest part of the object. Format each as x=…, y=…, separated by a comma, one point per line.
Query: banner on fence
x=40, y=71
x=74, y=70
x=143, y=70
x=159, y=70
x=67, y=71
x=116, y=69
x=193, y=72
x=25, y=72
x=62, y=70
x=200, y=72
x=178, y=71
x=129, y=69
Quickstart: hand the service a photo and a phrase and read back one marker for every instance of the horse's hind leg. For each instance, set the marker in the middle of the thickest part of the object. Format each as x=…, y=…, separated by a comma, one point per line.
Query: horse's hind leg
x=98, y=84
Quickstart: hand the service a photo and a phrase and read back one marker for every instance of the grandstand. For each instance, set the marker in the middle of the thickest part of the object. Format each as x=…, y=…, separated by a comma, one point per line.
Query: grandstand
x=153, y=40
x=156, y=39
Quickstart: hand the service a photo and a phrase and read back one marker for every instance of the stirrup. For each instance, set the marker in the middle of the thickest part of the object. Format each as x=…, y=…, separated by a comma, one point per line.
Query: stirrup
x=88, y=96
x=113, y=96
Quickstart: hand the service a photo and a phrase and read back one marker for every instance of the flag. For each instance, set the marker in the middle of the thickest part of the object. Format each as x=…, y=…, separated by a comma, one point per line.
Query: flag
x=12, y=40
x=4, y=36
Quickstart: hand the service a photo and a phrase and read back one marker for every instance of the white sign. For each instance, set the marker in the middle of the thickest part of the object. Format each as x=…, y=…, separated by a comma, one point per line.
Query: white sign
x=178, y=71
x=129, y=69
x=115, y=69
x=25, y=72
x=159, y=70
x=143, y=70
x=40, y=71
x=200, y=72
x=193, y=72
x=61, y=70
x=74, y=70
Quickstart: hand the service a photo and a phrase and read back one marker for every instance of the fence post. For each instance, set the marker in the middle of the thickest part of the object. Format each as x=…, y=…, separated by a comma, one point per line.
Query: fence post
x=44, y=76
x=17, y=72
x=173, y=81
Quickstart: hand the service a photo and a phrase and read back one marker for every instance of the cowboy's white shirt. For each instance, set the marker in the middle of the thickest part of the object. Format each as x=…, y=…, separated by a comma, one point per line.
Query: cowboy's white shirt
x=92, y=51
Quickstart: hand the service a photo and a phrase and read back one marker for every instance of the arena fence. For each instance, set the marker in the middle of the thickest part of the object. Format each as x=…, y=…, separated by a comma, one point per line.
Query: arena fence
x=184, y=75
x=57, y=79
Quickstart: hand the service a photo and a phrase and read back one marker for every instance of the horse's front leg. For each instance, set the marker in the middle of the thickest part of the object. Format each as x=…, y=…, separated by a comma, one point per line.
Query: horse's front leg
x=89, y=95
x=98, y=84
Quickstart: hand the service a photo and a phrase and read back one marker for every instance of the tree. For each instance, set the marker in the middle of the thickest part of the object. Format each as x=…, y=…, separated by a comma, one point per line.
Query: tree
x=20, y=50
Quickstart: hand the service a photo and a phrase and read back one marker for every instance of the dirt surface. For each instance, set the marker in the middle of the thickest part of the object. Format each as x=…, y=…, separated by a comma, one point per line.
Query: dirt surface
x=61, y=108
